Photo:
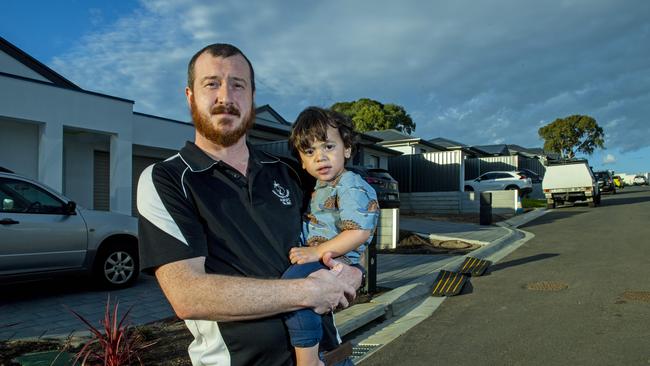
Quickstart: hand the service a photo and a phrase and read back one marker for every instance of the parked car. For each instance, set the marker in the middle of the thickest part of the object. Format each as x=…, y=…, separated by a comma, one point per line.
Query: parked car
x=534, y=177
x=570, y=181
x=384, y=184
x=640, y=180
x=500, y=180
x=43, y=234
x=605, y=182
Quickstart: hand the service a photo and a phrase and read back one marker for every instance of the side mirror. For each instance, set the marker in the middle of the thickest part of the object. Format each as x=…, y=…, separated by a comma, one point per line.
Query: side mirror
x=70, y=208
x=477, y=179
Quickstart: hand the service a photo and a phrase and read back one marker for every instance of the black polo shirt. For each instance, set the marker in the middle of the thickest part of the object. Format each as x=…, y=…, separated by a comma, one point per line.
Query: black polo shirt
x=192, y=206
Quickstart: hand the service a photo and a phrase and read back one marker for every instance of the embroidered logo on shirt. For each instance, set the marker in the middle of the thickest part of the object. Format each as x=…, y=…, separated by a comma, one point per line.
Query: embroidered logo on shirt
x=282, y=193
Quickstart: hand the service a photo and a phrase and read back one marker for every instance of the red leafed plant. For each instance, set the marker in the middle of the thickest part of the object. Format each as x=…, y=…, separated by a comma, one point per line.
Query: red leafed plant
x=117, y=344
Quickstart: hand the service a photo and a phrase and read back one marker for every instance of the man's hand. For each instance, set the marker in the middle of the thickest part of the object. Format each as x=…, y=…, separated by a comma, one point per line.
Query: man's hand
x=337, y=286
x=301, y=255
x=329, y=291
x=348, y=274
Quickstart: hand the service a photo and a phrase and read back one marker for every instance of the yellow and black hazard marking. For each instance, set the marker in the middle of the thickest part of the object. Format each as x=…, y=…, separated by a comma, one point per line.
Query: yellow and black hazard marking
x=474, y=266
x=448, y=284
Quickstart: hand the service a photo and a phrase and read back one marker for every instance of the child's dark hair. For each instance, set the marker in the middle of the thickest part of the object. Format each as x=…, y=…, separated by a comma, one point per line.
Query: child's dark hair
x=311, y=125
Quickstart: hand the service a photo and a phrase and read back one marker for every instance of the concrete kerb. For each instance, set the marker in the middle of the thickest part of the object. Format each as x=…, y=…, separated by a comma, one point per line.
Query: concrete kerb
x=402, y=299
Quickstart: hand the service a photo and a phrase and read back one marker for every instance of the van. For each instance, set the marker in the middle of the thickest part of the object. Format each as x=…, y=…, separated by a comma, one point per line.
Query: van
x=570, y=181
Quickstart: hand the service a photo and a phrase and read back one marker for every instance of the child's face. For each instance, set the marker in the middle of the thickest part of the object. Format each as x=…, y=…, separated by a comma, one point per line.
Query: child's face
x=325, y=160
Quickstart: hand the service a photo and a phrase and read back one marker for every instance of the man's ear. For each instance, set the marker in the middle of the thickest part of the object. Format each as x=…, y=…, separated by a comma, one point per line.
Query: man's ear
x=188, y=96
x=348, y=152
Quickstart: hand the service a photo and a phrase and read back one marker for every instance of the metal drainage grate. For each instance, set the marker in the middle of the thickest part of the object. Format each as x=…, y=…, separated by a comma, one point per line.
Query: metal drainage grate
x=448, y=283
x=361, y=350
x=547, y=286
x=474, y=266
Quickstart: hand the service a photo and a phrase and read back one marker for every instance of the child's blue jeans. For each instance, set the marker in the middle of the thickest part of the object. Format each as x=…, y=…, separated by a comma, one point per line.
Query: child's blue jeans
x=305, y=327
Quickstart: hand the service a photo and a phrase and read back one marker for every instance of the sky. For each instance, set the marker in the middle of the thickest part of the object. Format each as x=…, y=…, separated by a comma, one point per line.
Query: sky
x=477, y=72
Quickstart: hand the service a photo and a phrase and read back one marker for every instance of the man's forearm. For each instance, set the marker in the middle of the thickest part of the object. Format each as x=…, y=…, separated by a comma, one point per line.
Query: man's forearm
x=196, y=295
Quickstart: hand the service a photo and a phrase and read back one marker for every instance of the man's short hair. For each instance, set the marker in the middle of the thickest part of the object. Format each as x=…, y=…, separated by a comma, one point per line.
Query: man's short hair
x=311, y=125
x=217, y=50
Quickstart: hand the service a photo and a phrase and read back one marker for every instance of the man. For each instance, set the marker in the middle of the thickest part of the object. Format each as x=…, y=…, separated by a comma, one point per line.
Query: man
x=217, y=221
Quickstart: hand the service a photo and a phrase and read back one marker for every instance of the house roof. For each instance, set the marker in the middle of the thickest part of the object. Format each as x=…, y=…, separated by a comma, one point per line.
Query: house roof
x=391, y=137
x=494, y=150
x=36, y=65
x=277, y=118
x=275, y=124
x=447, y=143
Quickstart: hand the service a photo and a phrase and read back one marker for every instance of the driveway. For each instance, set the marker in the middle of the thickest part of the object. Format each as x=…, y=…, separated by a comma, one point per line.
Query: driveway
x=38, y=309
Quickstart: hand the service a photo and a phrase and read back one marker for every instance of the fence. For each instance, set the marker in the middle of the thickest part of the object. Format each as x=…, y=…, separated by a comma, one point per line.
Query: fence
x=429, y=172
x=503, y=202
x=477, y=166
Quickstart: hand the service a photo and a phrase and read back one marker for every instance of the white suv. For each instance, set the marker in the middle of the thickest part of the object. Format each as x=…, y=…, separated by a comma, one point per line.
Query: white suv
x=43, y=233
x=500, y=180
x=639, y=180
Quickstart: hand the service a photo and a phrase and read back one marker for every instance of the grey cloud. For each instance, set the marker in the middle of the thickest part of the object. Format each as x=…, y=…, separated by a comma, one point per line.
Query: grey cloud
x=477, y=72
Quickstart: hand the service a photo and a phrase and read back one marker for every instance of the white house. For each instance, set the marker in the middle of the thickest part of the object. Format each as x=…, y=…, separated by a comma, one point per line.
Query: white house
x=406, y=144
x=90, y=146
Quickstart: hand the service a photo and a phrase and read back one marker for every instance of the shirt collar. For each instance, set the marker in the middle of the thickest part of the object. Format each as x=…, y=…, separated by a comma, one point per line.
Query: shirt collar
x=332, y=183
x=197, y=160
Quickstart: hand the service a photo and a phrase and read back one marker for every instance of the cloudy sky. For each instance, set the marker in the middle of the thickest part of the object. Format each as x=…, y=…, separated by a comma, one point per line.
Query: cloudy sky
x=478, y=72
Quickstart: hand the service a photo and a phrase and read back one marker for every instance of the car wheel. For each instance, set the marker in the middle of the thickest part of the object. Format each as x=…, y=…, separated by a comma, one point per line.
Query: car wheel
x=117, y=266
x=513, y=188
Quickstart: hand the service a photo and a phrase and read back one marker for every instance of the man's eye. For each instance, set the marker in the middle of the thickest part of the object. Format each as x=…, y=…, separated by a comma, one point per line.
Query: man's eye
x=329, y=147
x=212, y=84
x=309, y=152
x=240, y=86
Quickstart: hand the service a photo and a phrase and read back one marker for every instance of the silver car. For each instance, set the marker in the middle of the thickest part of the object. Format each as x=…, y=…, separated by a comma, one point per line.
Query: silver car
x=43, y=233
x=500, y=180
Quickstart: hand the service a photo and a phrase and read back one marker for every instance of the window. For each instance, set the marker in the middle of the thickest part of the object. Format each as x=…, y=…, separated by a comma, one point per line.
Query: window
x=20, y=196
x=373, y=161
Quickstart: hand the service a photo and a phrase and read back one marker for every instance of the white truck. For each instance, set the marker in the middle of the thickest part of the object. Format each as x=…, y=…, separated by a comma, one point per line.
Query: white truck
x=570, y=181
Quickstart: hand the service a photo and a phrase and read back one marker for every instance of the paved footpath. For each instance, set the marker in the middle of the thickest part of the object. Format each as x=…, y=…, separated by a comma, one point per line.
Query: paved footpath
x=40, y=309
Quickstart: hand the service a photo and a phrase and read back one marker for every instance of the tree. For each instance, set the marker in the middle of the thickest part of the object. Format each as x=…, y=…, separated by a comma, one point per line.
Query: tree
x=368, y=115
x=569, y=135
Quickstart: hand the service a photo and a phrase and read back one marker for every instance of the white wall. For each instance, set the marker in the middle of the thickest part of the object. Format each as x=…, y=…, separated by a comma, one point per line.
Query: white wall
x=79, y=147
x=19, y=147
x=160, y=132
x=456, y=202
x=9, y=65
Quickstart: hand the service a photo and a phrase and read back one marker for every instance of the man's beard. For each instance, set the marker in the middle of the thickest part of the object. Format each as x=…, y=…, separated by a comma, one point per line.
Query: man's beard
x=206, y=128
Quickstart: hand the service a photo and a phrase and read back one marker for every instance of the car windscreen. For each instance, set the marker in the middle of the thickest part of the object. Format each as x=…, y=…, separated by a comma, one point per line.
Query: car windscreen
x=380, y=174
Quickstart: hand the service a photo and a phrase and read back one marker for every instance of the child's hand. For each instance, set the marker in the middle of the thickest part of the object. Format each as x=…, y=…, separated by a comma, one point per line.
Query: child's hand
x=301, y=255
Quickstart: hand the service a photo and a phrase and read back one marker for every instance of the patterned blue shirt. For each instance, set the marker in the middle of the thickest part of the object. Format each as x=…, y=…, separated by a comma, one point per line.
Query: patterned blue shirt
x=347, y=203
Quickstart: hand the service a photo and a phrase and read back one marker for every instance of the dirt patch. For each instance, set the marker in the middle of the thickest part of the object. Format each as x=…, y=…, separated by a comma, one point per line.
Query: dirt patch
x=550, y=286
x=410, y=243
x=170, y=335
x=642, y=296
x=472, y=218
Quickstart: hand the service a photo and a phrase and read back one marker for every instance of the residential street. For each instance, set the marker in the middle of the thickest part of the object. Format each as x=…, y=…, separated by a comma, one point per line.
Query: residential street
x=576, y=294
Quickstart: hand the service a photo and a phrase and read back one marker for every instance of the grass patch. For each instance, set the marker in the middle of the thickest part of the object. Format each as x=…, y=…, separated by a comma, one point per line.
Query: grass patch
x=533, y=203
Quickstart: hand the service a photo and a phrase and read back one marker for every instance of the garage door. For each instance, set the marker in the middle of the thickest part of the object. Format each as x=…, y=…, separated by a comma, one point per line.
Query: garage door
x=101, y=182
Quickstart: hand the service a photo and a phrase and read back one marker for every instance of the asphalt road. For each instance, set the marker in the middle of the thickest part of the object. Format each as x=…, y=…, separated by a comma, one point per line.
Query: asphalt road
x=576, y=294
